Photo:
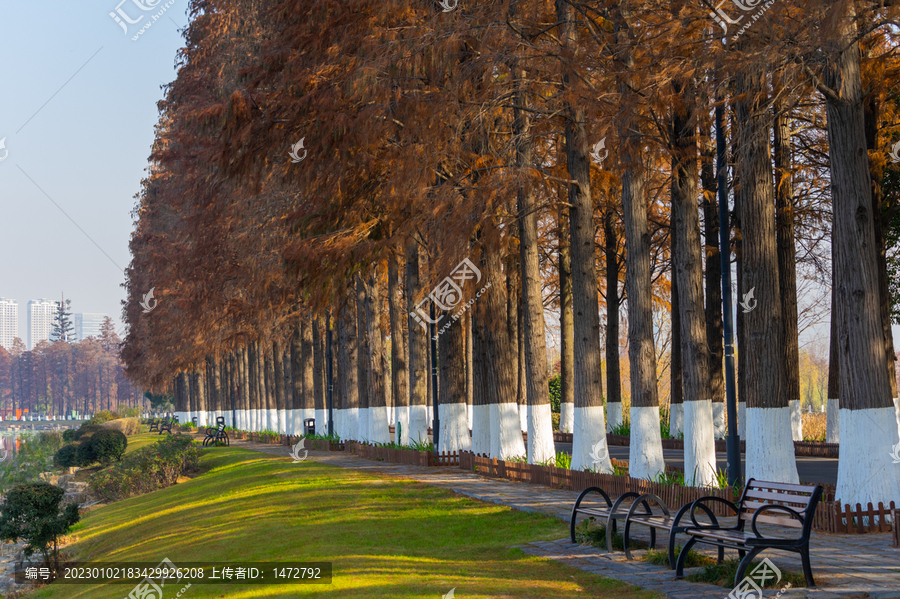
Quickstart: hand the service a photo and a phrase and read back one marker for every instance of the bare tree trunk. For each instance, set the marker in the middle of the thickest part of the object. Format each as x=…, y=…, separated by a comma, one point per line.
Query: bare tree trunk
x=418, y=351
x=867, y=414
x=378, y=416
x=514, y=324
x=715, y=333
x=832, y=418
x=399, y=371
x=566, y=327
x=307, y=372
x=319, y=375
x=244, y=422
x=676, y=368
x=470, y=413
x=214, y=391
x=787, y=267
x=770, y=447
x=253, y=381
x=363, y=377
x=296, y=414
x=348, y=367
x=280, y=402
x=451, y=402
x=271, y=392
x=613, y=372
x=589, y=448
x=540, y=427
x=699, y=440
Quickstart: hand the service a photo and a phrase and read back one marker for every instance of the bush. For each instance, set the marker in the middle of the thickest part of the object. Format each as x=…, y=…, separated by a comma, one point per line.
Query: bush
x=130, y=413
x=148, y=469
x=69, y=435
x=31, y=512
x=35, y=455
x=108, y=445
x=555, y=393
x=103, y=416
x=86, y=431
x=126, y=426
x=67, y=456
x=84, y=454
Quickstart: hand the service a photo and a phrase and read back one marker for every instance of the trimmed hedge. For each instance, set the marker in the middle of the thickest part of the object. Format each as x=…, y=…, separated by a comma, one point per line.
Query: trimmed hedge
x=108, y=445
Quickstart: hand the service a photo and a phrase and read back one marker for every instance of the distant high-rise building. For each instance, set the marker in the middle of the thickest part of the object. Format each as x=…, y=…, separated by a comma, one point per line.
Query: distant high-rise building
x=9, y=322
x=40, y=320
x=87, y=324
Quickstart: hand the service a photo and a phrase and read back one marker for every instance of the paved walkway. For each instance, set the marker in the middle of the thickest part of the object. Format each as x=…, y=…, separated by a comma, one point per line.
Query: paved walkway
x=845, y=566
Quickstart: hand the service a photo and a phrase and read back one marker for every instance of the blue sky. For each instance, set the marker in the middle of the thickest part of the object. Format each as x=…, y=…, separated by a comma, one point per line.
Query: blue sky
x=77, y=108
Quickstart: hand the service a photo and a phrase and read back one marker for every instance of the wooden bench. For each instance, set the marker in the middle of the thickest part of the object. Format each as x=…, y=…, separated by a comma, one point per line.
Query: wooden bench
x=784, y=505
x=165, y=426
x=154, y=425
x=214, y=435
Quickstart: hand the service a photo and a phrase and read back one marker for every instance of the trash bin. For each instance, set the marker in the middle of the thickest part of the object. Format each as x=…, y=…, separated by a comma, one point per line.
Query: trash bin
x=310, y=425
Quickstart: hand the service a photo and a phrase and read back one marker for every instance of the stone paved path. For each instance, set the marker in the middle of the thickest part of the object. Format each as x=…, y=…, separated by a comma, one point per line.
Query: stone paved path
x=845, y=566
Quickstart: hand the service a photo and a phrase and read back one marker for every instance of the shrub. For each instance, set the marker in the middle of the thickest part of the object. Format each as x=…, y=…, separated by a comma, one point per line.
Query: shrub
x=130, y=413
x=69, y=435
x=555, y=393
x=86, y=431
x=32, y=512
x=67, y=456
x=84, y=454
x=103, y=416
x=35, y=455
x=148, y=469
x=126, y=426
x=108, y=445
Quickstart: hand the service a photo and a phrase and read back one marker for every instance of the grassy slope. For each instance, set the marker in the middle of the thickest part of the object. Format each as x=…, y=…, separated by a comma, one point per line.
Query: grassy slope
x=386, y=537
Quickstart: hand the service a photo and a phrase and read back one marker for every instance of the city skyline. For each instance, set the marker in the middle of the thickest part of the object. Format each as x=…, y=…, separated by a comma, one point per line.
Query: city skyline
x=33, y=327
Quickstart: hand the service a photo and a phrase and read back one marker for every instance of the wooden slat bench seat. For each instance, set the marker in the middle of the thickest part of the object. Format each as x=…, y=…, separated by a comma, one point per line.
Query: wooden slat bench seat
x=154, y=425
x=165, y=426
x=789, y=507
x=609, y=514
x=216, y=434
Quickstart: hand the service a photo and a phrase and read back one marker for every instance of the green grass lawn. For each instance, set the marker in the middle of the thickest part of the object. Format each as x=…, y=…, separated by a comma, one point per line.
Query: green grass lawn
x=386, y=537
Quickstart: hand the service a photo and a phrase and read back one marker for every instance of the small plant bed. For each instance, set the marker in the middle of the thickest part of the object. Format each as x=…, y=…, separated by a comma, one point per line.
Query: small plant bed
x=723, y=575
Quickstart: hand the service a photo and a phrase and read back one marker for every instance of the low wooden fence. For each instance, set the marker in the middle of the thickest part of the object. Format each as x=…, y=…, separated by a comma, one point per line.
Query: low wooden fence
x=832, y=517
x=402, y=456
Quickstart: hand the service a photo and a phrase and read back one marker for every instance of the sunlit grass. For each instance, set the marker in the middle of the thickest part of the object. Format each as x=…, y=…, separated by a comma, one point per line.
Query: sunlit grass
x=385, y=537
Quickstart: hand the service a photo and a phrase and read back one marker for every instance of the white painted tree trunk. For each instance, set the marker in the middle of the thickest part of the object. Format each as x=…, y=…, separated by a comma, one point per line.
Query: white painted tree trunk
x=614, y=415
x=645, y=457
x=676, y=419
x=351, y=424
x=868, y=436
x=523, y=417
x=454, y=435
x=699, y=445
x=566, y=416
x=271, y=419
x=481, y=430
x=770, y=447
x=401, y=418
x=796, y=419
x=321, y=422
x=540, y=435
x=418, y=424
x=720, y=428
x=379, y=431
x=833, y=421
x=897, y=412
x=506, y=432
x=589, y=450
x=469, y=415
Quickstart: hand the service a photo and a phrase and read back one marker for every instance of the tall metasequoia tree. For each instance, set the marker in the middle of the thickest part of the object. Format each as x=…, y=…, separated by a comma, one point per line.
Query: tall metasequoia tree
x=399, y=369
x=787, y=265
x=212, y=368
x=645, y=448
x=296, y=379
x=832, y=417
x=244, y=422
x=253, y=382
x=868, y=421
x=699, y=441
x=280, y=402
x=271, y=390
x=418, y=350
x=362, y=360
x=307, y=371
x=451, y=400
x=770, y=447
x=589, y=435
x=348, y=366
x=540, y=426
